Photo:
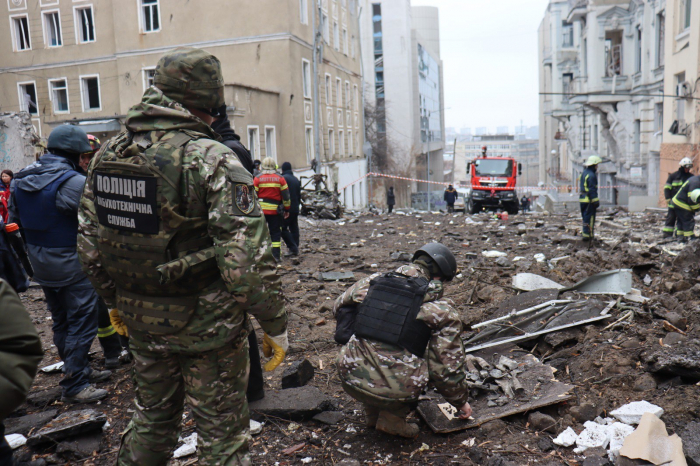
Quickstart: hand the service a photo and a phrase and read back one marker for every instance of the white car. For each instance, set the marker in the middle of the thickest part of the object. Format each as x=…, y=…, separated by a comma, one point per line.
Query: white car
x=460, y=203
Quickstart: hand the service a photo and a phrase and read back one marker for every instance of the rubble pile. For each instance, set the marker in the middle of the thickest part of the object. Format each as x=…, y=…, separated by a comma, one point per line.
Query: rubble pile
x=547, y=367
x=317, y=200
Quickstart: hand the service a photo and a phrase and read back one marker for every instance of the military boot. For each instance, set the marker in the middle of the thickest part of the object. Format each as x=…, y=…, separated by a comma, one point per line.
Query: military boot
x=371, y=415
x=395, y=425
x=276, y=254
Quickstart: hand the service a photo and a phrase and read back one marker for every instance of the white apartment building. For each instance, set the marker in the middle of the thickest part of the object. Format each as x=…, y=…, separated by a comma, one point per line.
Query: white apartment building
x=601, y=84
x=403, y=76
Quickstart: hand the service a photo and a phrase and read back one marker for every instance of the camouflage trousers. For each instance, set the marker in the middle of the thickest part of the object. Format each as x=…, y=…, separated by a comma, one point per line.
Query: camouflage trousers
x=397, y=408
x=213, y=384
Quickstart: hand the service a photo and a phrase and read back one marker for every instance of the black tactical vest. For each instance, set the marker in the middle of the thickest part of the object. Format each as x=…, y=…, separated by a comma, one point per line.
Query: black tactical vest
x=388, y=312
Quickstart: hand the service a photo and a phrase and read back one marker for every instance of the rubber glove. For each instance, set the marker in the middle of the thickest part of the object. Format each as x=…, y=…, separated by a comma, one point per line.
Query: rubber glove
x=117, y=323
x=276, y=348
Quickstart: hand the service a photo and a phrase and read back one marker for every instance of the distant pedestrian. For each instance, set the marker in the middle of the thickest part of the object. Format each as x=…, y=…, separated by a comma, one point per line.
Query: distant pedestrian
x=290, y=227
x=45, y=200
x=5, y=180
x=274, y=200
x=450, y=197
x=525, y=204
x=673, y=185
x=588, y=198
x=390, y=198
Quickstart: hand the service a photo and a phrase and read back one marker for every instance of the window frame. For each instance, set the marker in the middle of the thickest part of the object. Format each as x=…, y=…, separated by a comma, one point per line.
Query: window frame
x=77, y=18
x=353, y=50
x=142, y=16
x=21, y=96
x=309, y=139
x=51, y=99
x=348, y=101
x=13, y=29
x=326, y=27
x=336, y=36
x=355, y=97
x=331, y=142
x=306, y=78
x=685, y=16
x=144, y=75
x=252, y=149
x=329, y=89
x=660, y=39
x=304, y=11
x=346, y=48
x=351, y=146
x=338, y=96
x=341, y=143
x=44, y=14
x=274, y=142
x=83, y=97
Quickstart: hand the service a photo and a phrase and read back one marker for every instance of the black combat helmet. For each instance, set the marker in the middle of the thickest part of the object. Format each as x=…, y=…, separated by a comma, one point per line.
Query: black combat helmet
x=68, y=140
x=442, y=256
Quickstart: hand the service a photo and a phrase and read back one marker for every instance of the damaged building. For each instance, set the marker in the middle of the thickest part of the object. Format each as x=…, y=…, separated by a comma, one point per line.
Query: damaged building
x=605, y=91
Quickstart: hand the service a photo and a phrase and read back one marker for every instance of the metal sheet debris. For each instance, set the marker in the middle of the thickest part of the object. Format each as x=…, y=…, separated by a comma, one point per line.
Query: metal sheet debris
x=334, y=276
x=532, y=282
x=612, y=282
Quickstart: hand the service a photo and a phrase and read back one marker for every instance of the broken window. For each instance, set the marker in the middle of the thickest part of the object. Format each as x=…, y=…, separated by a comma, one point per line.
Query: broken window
x=27, y=102
x=85, y=23
x=254, y=142
x=21, y=33
x=568, y=84
x=90, y=88
x=52, y=29
x=270, y=142
x=309, y=143
x=150, y=15
x=149, y=77
x=59, y=95
x=613, y=53
x=638, y=51
x=680, y=103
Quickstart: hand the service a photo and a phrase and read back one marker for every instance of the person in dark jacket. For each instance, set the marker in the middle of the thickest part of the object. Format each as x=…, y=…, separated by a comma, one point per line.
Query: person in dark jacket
x=20, y=355
x=44, y=202
x=588, y=198
x=256, y=168
x=390, y=198
x=290, y=227
x=686, y=203
x=450, y=197
x=229, y=138
x=673, y=185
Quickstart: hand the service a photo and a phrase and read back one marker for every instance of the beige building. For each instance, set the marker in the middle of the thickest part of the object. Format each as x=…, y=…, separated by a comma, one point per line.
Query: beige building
x=87, y=61
x=681, y=115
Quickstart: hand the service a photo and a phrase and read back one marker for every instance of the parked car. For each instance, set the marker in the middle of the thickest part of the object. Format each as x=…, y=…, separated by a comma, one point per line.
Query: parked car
x=460, y=202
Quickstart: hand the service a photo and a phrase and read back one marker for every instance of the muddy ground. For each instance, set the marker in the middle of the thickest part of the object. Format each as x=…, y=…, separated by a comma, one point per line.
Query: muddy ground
x=607, y=367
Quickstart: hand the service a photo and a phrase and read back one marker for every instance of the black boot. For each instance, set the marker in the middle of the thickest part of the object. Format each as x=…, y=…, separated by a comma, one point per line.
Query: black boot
x=276, y=254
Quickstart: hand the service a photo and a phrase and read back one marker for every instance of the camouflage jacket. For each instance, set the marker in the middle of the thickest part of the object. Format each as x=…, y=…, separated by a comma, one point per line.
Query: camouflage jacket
x=389, y=372
x=249, y=282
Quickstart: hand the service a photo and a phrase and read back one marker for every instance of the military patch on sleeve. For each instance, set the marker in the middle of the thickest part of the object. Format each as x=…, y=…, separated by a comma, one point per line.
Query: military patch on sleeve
x=244, y=202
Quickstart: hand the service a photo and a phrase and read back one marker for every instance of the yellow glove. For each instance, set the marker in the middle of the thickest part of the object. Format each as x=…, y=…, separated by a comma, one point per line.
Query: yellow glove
x=117, y=323
x=275, y=347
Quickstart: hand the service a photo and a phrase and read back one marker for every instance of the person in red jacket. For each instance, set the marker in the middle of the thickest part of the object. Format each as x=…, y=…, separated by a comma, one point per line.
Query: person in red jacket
x=5, y=180
x=275, y=201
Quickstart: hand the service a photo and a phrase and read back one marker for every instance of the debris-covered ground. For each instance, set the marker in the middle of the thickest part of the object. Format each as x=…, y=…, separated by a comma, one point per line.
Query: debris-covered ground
x=643, y=351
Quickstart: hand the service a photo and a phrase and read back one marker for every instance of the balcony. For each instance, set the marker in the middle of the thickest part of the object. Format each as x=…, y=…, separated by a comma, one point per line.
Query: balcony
x=577, y=10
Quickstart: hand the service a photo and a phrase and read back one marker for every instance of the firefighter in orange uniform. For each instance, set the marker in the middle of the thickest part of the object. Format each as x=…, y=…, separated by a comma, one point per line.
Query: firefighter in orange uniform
x=274, y=200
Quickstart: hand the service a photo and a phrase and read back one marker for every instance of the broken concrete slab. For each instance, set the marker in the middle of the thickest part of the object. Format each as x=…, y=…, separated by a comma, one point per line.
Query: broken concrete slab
x=540, y=389
x=15, y=440
x=334, y=276
x=22, y=425
x=81, y=447
x=45, y=397
x=691, y=442
x=567, y=438
x=632, y=413
x=298, y=374
x=69, y=424
x=330, y=418
x=293, y=403
x=682, y=360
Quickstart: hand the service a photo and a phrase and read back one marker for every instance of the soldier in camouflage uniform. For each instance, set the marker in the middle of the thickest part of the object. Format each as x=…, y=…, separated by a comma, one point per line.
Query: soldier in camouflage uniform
x=173, y=237
x=388, y=379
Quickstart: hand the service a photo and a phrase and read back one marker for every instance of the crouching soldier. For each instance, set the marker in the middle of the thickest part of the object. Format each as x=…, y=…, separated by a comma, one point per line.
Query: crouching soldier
x=403, y=338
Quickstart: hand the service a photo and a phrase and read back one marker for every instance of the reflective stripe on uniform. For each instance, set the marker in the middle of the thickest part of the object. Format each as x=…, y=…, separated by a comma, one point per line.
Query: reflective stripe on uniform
x=277, y=244
x=685, y=206
x=268, y=206
x=103, y=332
x=269, y=185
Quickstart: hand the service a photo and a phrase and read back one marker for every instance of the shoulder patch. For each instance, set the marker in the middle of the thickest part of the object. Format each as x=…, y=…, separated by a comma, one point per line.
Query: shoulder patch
x=244, y=201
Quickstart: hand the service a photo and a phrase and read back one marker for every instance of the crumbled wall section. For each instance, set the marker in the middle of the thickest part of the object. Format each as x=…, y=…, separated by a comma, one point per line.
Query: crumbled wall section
x=18, y=141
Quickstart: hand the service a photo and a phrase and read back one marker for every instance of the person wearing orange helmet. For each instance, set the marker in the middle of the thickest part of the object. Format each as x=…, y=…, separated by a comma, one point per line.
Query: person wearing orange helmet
x=87, y=156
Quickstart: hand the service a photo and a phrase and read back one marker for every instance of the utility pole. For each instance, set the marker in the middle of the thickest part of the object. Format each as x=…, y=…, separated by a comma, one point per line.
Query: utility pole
x=318, y=56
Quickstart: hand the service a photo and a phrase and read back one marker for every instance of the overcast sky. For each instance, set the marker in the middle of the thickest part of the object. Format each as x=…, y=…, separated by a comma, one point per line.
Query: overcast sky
x=489, y=51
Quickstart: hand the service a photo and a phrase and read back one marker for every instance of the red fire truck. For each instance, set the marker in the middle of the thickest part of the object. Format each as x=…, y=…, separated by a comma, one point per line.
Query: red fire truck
x=493, y=181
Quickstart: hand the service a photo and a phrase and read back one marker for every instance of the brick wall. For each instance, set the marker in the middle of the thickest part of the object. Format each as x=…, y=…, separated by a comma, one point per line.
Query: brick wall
x=671, y=154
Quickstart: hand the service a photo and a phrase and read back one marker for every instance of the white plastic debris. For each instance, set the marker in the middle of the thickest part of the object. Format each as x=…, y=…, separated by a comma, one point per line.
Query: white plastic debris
x=493, y=254
x=52, y=368
x=351, y=430
x=306, y=460
x=106, y=426
x=540, y=257
x=469, y=442
x=594, y=436
x=15, y=440
x=255, y=427
x=189, y=448
x=566, y=438
x=631, y=413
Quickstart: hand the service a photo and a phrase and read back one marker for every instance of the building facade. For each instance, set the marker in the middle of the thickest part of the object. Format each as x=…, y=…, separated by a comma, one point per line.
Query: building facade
x=681, y=115
x=601, y=85
x=403, y=74
x=87, y=62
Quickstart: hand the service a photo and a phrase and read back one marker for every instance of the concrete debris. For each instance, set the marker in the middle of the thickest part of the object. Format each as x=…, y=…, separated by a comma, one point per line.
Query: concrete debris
x=24, y=424
x=594, y=435
x=80, y=447
x=293, y=403
x=189, y=447
x=493, y=254
x=255, y=427
x=297, y=374
x=632, y=413
x=330, y=418
x=691, y=440
x=69, y=424
x=567, y=438
x=540, y=257
x=401, y=256
x=334, y=276
x=319, y=201
x=650, y=442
